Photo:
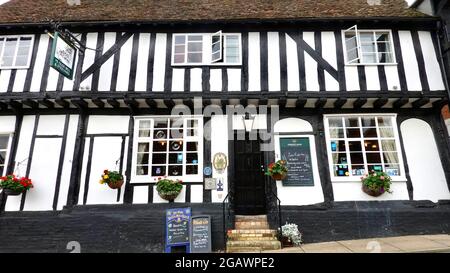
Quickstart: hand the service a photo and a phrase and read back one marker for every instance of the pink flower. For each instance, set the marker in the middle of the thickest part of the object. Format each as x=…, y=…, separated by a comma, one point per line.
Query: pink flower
x=382, y=177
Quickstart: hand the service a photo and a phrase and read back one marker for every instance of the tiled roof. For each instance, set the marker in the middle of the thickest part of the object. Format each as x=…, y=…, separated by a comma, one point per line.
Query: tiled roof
x=34, y=11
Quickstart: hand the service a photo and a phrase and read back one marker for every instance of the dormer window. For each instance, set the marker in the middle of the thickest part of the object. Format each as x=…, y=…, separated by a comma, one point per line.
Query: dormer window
x=367, y=47
x=206, y=49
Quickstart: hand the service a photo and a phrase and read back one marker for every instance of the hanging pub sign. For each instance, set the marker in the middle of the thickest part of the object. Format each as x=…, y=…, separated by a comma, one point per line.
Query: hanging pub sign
x=63, y=56
x=297, y=152
x=178, y=223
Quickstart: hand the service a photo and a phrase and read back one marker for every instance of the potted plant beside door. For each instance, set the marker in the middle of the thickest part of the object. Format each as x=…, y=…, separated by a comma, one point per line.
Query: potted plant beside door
x=13, y=185
x=277, y=170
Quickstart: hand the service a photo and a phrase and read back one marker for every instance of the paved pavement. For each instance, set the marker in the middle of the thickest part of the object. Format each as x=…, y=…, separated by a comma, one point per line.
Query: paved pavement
x=403, y=244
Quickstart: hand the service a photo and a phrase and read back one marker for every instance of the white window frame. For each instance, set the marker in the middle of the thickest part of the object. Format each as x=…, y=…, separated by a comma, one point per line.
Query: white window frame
x=358, y=31
x=30, y=51
x=221, y=47
x=207, y=50
x=185, y=178
x=400, y=178
x=8, y=150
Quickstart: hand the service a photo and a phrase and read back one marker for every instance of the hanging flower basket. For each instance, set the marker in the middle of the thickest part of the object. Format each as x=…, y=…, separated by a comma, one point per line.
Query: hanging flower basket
x=168, y=189
x=116, y=185
x=112, y=178
x=13, y=185
x=277, y=170
x=376, y=183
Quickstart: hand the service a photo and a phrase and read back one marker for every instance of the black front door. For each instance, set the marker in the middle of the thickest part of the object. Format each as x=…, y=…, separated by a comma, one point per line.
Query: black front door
x=249, y=185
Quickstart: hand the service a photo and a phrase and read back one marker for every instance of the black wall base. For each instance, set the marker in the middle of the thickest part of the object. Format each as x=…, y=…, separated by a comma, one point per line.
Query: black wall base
x=359, y=220
x=140, y=228
x=105, y=228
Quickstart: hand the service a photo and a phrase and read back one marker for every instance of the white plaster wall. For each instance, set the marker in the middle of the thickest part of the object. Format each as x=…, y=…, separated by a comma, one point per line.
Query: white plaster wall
x=196, y=194
x=294, y=195
x=43, y=172
x=108, y=124
x=219, y=144
x=140, y=195
x=51, y=125
x=26, y=133
x=425, y=167
x=7, y=124
x=351, y=191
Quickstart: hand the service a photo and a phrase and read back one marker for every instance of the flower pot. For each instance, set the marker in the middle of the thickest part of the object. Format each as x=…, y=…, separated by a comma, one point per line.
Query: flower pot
x=277, y=176
x=286, y=242
x=374, y=193
x=169, y=196
x=115, y=185
x=11, y=192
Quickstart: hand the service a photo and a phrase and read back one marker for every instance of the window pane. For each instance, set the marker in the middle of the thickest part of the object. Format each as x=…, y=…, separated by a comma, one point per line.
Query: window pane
x=385, y=58
x=216, y=47
x=351, y=122
x=194, y=57
x=176, y=170
x=388, y=145
x=192, y=146
x=392, y=169
x=368, y=48
x=159, y=158
x=369, y=58
x=180, y=39
x=371, y=145
x=2, y=158
x=159, y=146
x=231, y=59
x=390, y=157
x=195, y=38
x=145, y=124
x=195, y=47
x=192, y=158
x=179, y=49
x=350, y=41
x=358, y=170
x=158, y=170
x=144, y=133
x=338, y=146
x=176, y=158
x=10, y=47
x=162, y=123
x=7, y=61
x=192, y=169
x=142, y=170
x=353, y=133
x=142, y=159
x=337, y=133
x=192, y=123
x=176, y=133
x=4, y=142
x=384, y=47
x=160, y=134
x=354, y=146
x=373, y=158
x=384, y=121
x=178, y=58
x=376, y=168
x=341, y=170
x=366, y=37
x=386, y=132
x=339, y=158
x=382, y=37
x=368, y=122
x=352, y=55
x=335, y=122
x=357, y=158
x=176, y=146
x=143, y=147
x=216, y=56
x=370, y=132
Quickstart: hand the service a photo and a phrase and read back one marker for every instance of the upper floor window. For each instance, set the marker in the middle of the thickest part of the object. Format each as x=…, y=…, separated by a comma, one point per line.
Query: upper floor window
x=358, y=145
x=4, y=148
x=206, y=49
x=15, y=51
x=368, y=46
x=168, y=146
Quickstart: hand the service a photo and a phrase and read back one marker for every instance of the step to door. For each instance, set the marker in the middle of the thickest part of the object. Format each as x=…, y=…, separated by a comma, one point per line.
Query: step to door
x=250, y=236
x=264, y=245
x=250, y=218
x=251, y=225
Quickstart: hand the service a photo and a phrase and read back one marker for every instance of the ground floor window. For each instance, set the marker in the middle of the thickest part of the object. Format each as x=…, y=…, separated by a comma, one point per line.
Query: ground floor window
x=168, y=146
x=4, y=149
x=358, y=144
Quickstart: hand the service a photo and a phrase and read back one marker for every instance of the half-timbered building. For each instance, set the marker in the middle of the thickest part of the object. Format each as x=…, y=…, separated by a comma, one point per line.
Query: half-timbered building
x=359, y=83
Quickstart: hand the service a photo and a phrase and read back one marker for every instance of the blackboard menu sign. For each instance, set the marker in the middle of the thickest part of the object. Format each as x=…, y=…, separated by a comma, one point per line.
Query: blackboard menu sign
x=201, y=234
x=297, y=153
x=177, y=226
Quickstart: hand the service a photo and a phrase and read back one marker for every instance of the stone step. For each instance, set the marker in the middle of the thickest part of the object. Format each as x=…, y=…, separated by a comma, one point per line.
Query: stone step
x=254, y=231
x=252, y=235
x=250, y=218
x=264, y=245
x=239, y=249
x=251, y=225
x=243, y=238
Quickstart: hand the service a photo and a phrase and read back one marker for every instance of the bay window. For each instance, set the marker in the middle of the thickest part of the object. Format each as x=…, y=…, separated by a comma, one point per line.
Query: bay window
x=168, y=146
x=357, y=145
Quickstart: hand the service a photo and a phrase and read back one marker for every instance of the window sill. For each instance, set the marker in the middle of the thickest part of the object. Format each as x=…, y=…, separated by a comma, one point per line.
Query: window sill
x=373, y=64
x=14, y=68
x=358, y=180
x=205, y=65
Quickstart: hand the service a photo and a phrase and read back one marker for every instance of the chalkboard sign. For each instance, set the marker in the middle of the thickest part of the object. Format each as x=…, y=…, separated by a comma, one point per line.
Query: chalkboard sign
x=201, y=234
x=297, y=152
x=177, y=227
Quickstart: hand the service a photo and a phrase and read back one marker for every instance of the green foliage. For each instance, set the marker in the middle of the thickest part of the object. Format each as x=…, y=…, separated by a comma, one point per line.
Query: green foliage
x=377, y=181
x=278, y=167
x=16, y=184
x=292, y=233
x=168, y=186
x=110, y=177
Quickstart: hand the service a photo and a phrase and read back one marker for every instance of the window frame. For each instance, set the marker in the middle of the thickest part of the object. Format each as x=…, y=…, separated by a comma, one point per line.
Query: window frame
x=7, y=150
x=207, y=50
x=359, y=46
x=136, y=139
x=400, y=178
x=30, y=51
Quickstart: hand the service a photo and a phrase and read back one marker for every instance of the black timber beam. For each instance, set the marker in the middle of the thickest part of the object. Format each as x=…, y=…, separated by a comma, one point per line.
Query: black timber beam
x=169, y=103
x=359, y=103
x=80, y=103
x=320, y=103
x=400, y=102
x=380, y=103
x=132, y=104
x=151, y=103
x=420, y=102
x=113, y=102
x=339, y=103
x=63, y=103
x=98, y=102
x=31, y=103
x=47, y=103
x=440, y=103
x=300, y=103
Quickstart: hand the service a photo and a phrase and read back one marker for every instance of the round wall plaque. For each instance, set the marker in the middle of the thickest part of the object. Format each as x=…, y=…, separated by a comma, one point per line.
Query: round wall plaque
x=220, y=162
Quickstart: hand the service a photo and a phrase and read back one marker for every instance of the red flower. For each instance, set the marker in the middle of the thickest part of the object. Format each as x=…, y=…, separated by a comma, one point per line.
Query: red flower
x=271, y=165
x=105, y=171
